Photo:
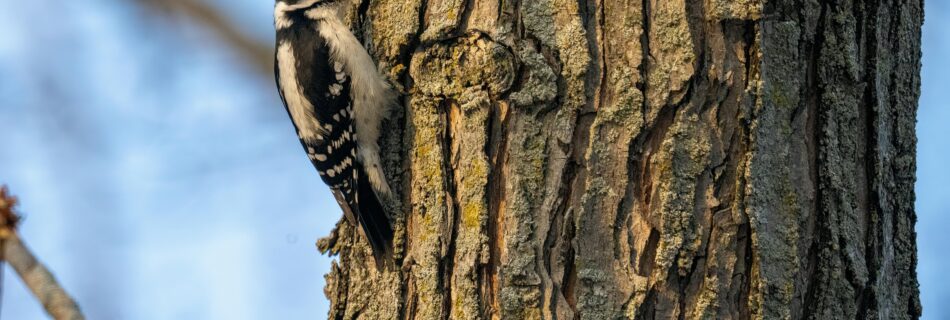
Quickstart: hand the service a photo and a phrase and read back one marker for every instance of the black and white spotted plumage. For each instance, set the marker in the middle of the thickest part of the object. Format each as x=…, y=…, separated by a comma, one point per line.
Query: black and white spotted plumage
x=336, y=99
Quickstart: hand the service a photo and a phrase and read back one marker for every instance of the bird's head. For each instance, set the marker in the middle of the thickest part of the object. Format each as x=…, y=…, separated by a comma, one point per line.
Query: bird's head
x=285, y=9
x=302, y=3
x=284, y=6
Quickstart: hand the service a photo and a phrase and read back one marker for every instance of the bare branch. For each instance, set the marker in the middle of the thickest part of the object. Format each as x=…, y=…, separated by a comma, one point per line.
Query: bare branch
x=260, y=55
x=55, y=300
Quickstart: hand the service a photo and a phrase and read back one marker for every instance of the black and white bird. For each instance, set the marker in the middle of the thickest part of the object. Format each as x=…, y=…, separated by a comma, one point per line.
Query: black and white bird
x=336, y=99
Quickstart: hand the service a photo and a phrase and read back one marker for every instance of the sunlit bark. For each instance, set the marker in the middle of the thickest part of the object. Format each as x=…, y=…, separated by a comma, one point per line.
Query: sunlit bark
x=643, y=159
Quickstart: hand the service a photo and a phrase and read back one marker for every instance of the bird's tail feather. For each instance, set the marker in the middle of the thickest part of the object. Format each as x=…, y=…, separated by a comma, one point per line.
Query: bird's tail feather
x=374, y=221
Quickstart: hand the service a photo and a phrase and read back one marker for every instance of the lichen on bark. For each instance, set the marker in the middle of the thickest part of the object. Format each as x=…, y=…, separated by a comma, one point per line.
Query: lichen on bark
x=695, y=159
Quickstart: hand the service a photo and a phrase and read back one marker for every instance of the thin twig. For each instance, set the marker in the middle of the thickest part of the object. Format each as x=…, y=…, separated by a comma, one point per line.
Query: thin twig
x=259, y=54
x=55, y=300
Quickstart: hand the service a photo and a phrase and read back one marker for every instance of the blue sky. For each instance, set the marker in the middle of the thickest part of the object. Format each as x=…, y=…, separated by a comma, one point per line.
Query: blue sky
x=933, y=172
x=160, y=179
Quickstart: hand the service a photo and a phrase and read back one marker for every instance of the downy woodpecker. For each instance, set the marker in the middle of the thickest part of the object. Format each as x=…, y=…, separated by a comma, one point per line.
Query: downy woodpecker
x=336, y=99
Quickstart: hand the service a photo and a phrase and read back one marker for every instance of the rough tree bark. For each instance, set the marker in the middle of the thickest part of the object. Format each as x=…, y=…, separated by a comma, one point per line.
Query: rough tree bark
x=652, y=159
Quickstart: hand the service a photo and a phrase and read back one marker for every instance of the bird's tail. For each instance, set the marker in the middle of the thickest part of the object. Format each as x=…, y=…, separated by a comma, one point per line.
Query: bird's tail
x=374, y=220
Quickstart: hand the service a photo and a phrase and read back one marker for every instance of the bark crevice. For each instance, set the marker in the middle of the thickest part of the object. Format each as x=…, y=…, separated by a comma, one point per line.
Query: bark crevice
x=683, y=159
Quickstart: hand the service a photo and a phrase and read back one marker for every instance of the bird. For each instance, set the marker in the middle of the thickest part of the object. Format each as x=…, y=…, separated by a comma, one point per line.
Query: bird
x=337, y=99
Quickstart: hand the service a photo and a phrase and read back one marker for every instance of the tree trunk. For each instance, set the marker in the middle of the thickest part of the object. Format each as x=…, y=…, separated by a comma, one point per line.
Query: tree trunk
x=654, y=159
